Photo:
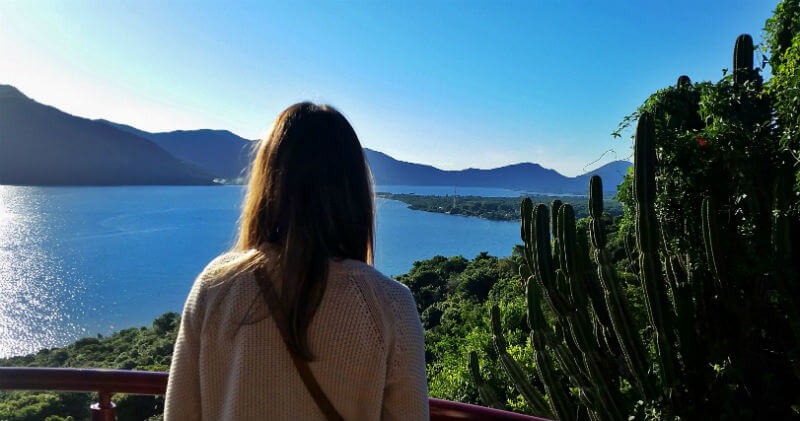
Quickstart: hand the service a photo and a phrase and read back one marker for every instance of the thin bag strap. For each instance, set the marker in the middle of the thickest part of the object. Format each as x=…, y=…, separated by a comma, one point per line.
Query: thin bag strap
x=313, y=387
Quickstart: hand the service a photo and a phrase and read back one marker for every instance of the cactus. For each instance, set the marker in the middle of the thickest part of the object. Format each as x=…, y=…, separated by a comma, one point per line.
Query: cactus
x=725, y=273
x=786, y=275
x=529, y=392
x=489, y=396
x=606, y=389
x=711, y=235
x=554, y=386
x=563, y=286
x=743, y=59
x=650, y=273
x=630, y=342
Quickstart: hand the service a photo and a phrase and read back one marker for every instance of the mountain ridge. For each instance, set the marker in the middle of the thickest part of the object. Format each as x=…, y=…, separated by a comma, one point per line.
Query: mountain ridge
x=527, y=176
x=42, y=145
x=197, y=156
x=221, y=152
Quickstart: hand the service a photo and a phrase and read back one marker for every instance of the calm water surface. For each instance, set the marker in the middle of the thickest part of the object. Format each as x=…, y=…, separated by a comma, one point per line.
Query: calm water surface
x=77, y=261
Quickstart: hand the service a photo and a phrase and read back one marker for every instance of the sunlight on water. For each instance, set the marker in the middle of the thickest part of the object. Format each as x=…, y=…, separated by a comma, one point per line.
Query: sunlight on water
x=40, y=295
x=78, y=261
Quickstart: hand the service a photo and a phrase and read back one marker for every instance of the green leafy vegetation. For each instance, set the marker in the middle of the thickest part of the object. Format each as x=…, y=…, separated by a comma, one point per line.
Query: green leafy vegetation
x=783, y=46
x=496, y=208
x=144, y=348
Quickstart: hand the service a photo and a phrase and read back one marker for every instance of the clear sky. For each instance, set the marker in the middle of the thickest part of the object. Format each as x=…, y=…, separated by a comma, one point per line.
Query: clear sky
x=455, y=84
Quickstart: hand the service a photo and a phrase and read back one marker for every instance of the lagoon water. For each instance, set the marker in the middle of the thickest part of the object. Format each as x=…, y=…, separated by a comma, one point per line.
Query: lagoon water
x=78, y=261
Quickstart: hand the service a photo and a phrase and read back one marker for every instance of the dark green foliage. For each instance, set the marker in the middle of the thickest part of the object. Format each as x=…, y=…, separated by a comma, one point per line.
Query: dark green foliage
x=135, y=349
x=721, y=200
x=783, y=46
x=22, y=406
x=616, y=305
x=497, y=208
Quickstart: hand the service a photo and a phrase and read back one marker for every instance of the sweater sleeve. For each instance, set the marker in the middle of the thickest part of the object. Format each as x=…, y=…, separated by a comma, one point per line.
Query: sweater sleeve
x=406, y=393
x=182, y=402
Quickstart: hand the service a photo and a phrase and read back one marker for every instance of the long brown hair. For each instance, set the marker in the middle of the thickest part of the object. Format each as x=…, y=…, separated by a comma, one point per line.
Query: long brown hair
x=309, y=196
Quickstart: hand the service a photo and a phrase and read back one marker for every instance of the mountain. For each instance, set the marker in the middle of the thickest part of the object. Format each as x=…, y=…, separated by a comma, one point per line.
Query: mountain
x=526, y=176
x=221, y=152
x=41, y=145
x=225, y=154
x=611, y=173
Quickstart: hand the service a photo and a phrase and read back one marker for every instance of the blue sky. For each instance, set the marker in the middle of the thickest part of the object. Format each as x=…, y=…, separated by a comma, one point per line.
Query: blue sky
x=455, y=84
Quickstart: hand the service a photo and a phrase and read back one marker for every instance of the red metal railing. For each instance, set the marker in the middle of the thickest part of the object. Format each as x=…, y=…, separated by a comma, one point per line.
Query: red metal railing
x=108, y=382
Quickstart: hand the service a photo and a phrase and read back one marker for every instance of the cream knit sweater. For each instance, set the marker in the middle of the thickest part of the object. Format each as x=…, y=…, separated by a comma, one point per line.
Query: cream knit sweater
x=230, y=362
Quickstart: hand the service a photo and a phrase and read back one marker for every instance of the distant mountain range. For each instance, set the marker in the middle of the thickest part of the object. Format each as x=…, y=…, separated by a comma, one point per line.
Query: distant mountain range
x=40, y=145
x=220, y=152
x=526, y=176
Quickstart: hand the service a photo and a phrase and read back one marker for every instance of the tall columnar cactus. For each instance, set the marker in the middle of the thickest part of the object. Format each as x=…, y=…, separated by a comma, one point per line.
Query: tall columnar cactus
x=630, y=341
x=560, y=277
x=711, y=239
x=743, y=59
x=488, y=394
x=529, y=392
x=647, y=240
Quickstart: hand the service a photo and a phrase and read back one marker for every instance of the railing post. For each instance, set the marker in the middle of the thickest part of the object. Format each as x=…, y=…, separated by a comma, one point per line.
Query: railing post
x=103, y=410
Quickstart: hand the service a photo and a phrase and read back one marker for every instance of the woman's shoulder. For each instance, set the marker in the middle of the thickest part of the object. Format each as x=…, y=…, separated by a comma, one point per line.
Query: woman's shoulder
x=389, y=300
x=227, y=278
x=225, y=266
x=219, y=275
x=387, y=290
x=357, y=268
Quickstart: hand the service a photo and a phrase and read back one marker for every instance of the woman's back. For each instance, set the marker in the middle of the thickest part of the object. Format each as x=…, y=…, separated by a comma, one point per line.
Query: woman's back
x=306, y=230
x=366, y=338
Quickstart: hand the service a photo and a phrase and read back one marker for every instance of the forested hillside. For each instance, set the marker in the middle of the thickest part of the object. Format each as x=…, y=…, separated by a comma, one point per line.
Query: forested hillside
x=142, y=348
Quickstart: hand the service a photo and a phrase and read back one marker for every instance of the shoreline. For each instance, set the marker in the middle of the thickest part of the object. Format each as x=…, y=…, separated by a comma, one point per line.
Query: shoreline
x=505, y=209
